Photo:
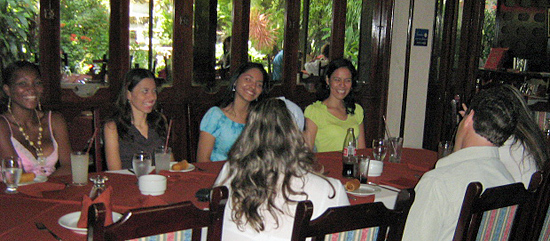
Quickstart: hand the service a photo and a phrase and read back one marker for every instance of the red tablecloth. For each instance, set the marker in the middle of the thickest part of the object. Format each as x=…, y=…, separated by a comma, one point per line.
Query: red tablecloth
x=21, y=211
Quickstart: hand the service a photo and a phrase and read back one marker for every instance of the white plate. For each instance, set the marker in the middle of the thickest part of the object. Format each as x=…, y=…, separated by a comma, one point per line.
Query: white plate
x=365, y=190
x=37, y=179
x=70, y=221
x=190, y=168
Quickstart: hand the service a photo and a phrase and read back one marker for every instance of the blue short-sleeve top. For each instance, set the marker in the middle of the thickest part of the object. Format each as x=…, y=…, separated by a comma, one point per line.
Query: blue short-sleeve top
x=226, y=131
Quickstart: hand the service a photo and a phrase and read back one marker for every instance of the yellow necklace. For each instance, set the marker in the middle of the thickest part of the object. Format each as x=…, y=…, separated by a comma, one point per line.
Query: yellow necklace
x=38, y=145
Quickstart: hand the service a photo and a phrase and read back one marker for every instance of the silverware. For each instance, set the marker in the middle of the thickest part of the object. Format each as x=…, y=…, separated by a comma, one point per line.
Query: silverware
x=131, y=170
x=387, y=188
x=200, y=169
x=41, y=226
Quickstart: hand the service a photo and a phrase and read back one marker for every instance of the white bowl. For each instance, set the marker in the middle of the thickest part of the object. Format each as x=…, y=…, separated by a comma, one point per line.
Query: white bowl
x=152, y=184
x=375, y=168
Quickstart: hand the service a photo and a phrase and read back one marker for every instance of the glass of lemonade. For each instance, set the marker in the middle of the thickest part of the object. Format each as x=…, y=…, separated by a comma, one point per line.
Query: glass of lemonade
x=11, y=173
x=79, y=167
x=162, y=158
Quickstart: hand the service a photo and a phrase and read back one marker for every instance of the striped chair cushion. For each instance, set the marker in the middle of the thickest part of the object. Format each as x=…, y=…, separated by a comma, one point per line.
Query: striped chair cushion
x=496, y=224
x=183, y=235
x=545, y=232
x=367, y=234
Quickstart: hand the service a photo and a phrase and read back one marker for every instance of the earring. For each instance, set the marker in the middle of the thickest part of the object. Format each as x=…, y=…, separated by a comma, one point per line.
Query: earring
x=233, y=89
x=328, y=87
x=39, y=105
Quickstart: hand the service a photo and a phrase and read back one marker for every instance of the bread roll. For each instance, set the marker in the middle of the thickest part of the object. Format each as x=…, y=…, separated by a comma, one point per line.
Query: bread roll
x=27, y=177
x=182, y=165
x=352, y=185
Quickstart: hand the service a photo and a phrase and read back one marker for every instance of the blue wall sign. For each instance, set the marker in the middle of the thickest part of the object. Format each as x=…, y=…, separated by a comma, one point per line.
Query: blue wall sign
x=421, y=37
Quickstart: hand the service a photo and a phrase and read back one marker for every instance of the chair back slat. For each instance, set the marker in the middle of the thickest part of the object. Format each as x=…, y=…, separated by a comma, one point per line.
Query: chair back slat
x=145, y=222
x=495, y=214
x=539, y=221
x=369, y=221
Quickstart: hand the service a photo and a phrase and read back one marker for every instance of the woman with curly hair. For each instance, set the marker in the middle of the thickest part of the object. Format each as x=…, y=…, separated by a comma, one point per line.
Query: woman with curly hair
x=270, y=168
x=328, y=119
x=136, y=125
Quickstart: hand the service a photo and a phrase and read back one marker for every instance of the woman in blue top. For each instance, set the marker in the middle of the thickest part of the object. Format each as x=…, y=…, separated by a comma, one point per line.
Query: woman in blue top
x=222, y=124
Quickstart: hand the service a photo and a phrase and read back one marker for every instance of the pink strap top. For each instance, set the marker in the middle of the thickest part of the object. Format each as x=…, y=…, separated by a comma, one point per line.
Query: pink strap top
x=30, y=163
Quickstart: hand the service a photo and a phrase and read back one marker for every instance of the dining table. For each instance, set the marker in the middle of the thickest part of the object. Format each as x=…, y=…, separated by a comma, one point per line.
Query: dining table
x=47, y=201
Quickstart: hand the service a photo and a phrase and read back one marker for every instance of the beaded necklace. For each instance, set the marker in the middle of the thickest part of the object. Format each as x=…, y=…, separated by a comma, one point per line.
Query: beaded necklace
x=38, y=146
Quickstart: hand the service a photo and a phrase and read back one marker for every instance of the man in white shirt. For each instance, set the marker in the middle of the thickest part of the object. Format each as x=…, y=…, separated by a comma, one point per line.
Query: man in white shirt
x=488, y=123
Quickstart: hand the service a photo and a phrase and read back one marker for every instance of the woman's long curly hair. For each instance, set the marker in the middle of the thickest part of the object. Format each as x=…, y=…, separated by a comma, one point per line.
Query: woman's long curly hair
x=324, y=90
x=123, y=114
x=267, y=156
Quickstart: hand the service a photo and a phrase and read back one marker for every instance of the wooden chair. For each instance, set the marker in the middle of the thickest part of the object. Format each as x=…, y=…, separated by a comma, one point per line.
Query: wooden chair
x=539, y=222
x=495, y=214
x=144, y=222
x=373, y=221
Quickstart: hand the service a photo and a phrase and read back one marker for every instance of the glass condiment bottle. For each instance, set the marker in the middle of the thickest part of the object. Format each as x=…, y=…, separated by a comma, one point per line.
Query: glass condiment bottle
x=99, y=186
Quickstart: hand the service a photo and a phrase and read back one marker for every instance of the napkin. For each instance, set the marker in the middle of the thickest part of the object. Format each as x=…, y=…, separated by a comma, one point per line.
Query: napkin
x=36, y=189
x=104, y=198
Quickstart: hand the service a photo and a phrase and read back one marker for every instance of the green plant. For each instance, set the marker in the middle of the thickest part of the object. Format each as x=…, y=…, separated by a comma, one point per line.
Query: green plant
x=18, y=31
x=84, y=32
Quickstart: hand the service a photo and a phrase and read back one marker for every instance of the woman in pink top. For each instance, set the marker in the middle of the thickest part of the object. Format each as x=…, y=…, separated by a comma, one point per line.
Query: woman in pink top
x=39, y=138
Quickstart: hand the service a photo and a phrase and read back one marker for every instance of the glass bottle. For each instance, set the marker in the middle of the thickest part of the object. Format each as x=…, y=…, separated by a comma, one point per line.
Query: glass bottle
x=349, y=160
x=99, y=186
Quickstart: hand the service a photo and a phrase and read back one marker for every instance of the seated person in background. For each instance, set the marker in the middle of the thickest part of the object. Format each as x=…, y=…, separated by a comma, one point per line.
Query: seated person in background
x=488, y=123
x=39, y=138
x=312, y=67
x=278, y=66
x=328, y=119
x=269, y=170
x=222, y=124
x=136, y=125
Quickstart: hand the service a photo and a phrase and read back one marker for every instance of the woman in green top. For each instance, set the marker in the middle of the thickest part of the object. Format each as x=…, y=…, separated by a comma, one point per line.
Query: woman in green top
x=328, y=119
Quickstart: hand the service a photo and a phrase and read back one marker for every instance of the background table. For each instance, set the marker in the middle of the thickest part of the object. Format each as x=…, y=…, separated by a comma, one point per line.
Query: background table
x=21, y=211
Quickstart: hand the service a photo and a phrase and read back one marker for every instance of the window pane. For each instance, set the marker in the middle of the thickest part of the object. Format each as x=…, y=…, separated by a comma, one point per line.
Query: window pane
x=84, y=38
x=152, y=50
x=266, y=34
x=353, y=21
x=19, y=31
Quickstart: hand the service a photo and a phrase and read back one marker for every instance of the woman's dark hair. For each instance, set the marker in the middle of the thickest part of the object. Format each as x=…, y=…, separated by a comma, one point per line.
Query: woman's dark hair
x=266, y=158
x=123, y=114
x=9, y=75
x=230, y=94
x=324, y=90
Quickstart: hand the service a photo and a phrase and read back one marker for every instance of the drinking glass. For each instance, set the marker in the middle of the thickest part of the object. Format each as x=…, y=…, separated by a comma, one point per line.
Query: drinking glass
x=11, y=173
x=162, y=158
x=379, y=149
x=79, y=167
x=364, y=162
x=141, y=162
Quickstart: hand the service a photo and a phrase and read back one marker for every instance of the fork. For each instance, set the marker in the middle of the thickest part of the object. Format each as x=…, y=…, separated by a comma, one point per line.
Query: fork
x=41, y=226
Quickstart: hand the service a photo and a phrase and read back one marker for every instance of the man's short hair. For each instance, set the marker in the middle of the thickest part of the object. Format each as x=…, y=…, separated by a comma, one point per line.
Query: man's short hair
x=495, y=114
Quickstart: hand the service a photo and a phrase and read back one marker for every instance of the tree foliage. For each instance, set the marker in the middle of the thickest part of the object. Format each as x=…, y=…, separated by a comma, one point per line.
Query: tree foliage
x=18, y=31
x=84, y=32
